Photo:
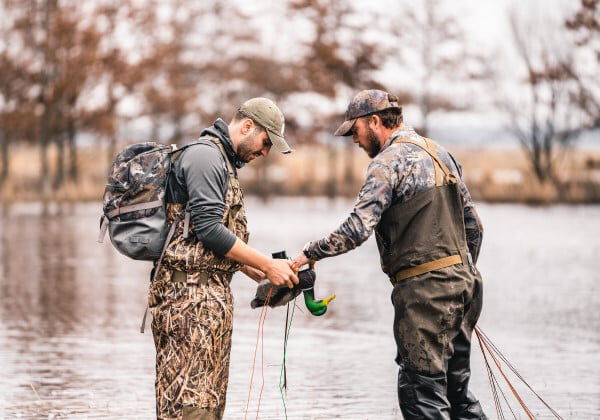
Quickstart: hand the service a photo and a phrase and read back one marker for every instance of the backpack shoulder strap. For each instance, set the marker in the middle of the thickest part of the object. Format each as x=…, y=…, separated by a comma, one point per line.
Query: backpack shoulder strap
x=211, y=141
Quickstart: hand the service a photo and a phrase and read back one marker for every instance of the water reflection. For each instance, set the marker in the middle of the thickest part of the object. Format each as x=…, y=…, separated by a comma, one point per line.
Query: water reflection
x=40, y=299
x=70, y=312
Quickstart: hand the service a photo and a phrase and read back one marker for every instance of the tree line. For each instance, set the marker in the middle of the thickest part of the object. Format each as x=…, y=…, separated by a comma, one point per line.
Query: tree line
x=70, y=68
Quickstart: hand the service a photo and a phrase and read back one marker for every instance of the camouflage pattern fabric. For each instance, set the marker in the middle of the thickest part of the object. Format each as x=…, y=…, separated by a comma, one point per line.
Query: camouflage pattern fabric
x=192, y=320
x=398, y=173
x=364, y=103
x=192, y=325
x=138, y=175
x=369, y=101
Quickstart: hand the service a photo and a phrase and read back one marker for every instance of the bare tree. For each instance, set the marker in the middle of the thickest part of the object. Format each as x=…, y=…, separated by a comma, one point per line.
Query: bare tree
x=198, y=69
x=67, y=55
x=13, y=111
x=339, y=61
x=543, y=121
x=585, y=24
x=432, y=44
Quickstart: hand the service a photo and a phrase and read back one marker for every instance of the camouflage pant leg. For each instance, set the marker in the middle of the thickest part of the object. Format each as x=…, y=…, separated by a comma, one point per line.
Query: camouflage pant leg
x=192, y=325
x=196, y=413
x=429, y=317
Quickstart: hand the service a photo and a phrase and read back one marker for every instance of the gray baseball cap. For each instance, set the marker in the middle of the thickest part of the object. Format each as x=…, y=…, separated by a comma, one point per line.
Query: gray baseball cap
x=264, y=112
x=364, y=103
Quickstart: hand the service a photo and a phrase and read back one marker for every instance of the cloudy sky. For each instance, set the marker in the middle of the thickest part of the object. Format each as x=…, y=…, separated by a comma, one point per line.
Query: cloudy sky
x=487, y=31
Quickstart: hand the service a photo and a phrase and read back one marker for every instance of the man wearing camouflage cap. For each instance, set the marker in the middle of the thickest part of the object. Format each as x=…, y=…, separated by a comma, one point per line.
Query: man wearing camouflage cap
x=429, y=236
x=190, y=299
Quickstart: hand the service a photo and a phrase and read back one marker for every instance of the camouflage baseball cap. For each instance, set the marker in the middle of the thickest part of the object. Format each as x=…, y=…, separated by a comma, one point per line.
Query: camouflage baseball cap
x=264, y=112
x=364, y=103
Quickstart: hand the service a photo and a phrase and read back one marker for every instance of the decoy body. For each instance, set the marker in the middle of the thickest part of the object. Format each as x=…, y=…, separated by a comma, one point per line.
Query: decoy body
x=282, y=295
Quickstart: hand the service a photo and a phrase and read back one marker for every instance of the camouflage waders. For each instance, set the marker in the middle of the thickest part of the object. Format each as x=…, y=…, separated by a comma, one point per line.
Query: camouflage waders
x=437, y=298
x=192, y=308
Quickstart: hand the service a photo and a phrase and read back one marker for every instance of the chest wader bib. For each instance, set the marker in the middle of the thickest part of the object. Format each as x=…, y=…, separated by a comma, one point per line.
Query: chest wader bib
x=436, y=297
x=192, y=308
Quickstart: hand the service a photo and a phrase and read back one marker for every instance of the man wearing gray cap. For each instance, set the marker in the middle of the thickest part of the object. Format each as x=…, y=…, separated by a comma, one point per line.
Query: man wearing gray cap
x=190, y=299
x=429, y=236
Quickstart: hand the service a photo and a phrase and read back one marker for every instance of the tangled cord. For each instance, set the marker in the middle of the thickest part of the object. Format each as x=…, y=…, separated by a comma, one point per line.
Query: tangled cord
x=283, y=373
x=486, y=344
x=259, y=337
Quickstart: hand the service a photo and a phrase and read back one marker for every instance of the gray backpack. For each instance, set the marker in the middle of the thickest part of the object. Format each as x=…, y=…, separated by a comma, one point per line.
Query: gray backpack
x=134, y=201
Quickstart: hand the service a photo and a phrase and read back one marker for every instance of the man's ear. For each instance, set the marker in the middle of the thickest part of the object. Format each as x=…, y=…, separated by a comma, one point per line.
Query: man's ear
x=374, y=121
x=247, y=125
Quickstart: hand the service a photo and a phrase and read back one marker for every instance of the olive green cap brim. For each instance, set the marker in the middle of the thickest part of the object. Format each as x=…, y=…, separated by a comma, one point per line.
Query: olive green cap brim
x=279, y=143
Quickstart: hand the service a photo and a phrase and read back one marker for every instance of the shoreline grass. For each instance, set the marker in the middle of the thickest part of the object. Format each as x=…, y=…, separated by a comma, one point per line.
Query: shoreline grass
x=494, y=176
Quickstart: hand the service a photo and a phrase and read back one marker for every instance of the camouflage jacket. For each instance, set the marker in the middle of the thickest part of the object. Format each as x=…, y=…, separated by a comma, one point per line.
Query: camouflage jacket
x=398, y=173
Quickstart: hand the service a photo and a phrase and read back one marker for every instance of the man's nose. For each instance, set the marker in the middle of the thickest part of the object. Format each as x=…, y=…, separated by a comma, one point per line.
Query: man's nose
x=265, y=151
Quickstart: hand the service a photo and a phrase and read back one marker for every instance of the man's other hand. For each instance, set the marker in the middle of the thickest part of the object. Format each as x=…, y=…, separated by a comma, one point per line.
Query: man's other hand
x=302, y=260
x=281, y=273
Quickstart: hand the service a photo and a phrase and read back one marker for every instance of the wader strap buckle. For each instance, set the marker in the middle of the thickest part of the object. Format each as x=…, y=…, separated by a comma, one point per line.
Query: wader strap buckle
x=427, y=267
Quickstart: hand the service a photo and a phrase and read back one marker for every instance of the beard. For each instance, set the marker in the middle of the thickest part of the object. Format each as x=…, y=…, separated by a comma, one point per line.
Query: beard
x=244, y=150
x=373, y=146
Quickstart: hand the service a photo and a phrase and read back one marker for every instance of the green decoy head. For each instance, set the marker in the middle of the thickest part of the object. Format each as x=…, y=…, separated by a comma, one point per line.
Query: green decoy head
x=316, y=307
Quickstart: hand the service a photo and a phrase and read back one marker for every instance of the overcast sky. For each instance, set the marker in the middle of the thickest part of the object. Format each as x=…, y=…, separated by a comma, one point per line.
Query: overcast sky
x=487, y=31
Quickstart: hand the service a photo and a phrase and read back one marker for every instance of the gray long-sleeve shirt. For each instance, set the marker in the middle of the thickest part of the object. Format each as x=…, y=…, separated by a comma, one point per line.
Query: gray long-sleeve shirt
x=199, y=178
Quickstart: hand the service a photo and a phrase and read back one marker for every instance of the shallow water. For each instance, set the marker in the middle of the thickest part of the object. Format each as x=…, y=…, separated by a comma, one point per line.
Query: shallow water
x=70, y=310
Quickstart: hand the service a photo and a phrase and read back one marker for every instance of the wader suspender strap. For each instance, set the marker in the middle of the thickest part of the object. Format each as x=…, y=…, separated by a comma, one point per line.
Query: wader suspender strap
x=439, y=167
x=438, y=164
x=230, y=169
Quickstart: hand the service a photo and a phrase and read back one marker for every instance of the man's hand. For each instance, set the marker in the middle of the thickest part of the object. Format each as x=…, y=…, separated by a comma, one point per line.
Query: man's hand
x=302, y=260
x=281, y=273
x=253, y=273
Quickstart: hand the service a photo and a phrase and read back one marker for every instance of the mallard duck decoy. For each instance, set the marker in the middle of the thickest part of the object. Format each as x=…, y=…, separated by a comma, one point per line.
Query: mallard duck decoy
x=316, y=307
x=282, y=295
